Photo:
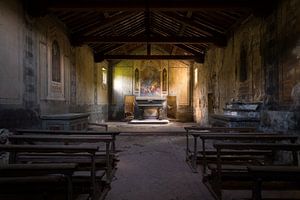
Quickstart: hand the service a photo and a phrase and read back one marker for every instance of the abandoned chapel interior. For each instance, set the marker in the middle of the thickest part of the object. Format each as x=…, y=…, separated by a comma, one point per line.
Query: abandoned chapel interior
x=149, y=99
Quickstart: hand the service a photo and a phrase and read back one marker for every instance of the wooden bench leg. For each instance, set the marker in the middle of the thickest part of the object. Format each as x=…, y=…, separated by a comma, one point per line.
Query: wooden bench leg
x=194, y=161
x=256, y=191
x=69, y=188
x=114, y=144
x=108, y=164
x=187, y=147
x=93, y=177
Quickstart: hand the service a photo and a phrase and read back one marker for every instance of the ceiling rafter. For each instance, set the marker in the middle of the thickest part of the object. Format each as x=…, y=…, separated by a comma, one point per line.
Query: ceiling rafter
x=110, y=49
x=105, y=23
x=83, y=22
x=187, y=49
x=198, y=58
x=145, y=39
x=177, y=26
x=147, y=26
x=159, y=33
x=188, y=22
x=182, y=5
x=181, y=31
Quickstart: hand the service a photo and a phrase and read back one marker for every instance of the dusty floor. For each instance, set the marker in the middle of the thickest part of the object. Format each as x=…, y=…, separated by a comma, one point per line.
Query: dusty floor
x=154, y=167
x=141, y=129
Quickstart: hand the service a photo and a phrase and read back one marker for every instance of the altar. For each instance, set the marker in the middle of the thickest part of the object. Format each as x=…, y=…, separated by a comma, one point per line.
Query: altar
x=151, y=107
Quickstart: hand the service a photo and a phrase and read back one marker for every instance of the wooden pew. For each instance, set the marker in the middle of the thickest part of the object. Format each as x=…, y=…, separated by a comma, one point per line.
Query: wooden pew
x=99, y=125
x=19, y=179
x=288, y=176
x=66, y=139
x=189, y=129
x=73, y=149
x=192, y=156
x=225, y=176
x=221, y=129
x=113, y=134
x=238, y=137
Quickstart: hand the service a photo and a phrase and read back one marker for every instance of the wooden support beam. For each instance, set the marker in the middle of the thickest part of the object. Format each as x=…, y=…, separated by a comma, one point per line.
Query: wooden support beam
x=147, y=27
x=220, y=38
x=107, y=22
x=100, y=58
x=135, y=5
x=148, y=49
x=187, y=49
x=150, y=40
x=111, y=48
x=181, y=31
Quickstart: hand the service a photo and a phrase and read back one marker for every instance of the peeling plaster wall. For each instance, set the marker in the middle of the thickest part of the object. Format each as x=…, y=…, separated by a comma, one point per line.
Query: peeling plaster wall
x=200, y=94
x=91, y=95
x=52, y=98
x=18, y=69
x=26, y=88
x=268, y=48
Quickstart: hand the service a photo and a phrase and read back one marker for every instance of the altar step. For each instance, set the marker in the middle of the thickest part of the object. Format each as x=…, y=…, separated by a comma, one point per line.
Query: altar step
x=149, y=121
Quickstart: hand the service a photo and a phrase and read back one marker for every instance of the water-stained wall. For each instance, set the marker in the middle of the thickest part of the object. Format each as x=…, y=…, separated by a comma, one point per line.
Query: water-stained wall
x=201, y=94
x=260, y=63
x=42, y=73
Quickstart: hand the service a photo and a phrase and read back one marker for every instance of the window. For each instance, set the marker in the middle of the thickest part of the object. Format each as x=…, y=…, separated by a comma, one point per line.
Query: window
x=136, y=79
x=56, y=69
x=104, y=76
x=195, y=77
x=164, y=80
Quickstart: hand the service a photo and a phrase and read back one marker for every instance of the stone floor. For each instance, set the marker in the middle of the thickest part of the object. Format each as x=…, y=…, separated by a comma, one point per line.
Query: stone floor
x=142, y=129
x=154, y=167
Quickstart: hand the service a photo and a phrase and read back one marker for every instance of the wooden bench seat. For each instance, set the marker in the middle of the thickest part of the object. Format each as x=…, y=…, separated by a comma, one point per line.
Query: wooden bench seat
x=212, y=154
x=19, y=179
x=72, y=149
x=113, y=134
x=98, y=125
x=280, y=177
x=258, y=159
x=103, y=160
x=249, y=152
x=221, y=129
x=228, y=167
x=224, y=176
x=8, y=170
x=194, y=156
x=35, y=187
x=108, y=157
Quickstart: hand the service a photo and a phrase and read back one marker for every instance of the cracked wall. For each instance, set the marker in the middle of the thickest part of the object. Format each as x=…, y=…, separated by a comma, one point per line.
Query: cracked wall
x=267, y=47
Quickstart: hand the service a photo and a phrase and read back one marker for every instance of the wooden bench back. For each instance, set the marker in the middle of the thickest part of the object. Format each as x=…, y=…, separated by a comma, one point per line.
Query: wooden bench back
x=113, y=134
x=221, y=129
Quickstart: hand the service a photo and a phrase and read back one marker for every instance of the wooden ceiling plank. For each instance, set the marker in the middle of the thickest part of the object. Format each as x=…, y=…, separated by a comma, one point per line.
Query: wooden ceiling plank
x=144, y=39
x=181, y=31
x=106, y=23
x=99, y=58
x=190, y=23
x=134, y=5
x=84, y=22
x=110, y=49
x=128, y=27
x=188, y=49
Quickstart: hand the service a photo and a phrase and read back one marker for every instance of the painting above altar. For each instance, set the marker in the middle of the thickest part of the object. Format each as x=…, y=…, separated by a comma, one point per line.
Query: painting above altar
x=150, y=81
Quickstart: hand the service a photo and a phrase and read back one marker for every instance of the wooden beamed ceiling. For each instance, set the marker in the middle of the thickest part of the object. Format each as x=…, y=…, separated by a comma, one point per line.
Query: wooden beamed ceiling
x=185, y=29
